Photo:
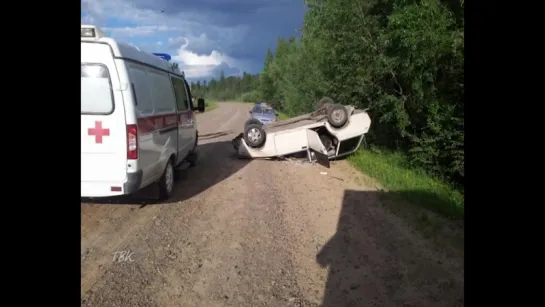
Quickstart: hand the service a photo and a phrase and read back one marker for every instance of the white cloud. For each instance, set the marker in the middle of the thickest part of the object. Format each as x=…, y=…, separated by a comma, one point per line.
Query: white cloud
x=200, y=66
x=197, y=43
x=193, y=59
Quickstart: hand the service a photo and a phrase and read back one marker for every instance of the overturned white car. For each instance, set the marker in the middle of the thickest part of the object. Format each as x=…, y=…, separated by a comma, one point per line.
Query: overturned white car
x=330, y=132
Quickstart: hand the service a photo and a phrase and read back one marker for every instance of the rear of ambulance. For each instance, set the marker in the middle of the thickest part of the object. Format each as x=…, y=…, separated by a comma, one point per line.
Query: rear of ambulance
x=107, y=143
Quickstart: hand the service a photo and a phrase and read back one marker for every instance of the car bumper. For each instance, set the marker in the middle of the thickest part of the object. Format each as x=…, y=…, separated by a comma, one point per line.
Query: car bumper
x=107, y=189
x=266, y=121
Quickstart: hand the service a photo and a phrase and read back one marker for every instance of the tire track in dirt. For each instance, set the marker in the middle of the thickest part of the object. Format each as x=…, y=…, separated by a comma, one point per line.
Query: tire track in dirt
x=270, y=233
x=230, y=249
x=226, y=247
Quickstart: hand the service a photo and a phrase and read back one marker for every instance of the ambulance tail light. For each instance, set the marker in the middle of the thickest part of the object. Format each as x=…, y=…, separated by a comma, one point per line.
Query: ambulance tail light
x=132, y=142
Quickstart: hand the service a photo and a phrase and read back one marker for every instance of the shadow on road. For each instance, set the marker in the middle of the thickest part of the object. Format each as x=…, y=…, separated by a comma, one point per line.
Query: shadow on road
x=217, y=162
x=374, y=261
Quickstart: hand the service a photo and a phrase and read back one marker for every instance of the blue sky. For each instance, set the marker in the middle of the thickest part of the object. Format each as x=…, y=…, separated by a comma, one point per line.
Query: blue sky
x=204, y=36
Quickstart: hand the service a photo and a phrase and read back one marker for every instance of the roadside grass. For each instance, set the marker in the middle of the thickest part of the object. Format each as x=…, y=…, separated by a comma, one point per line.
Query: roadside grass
x=433, y=208
x=391, y=171
x=210, y=105
x=414, y=185
x=281, y=116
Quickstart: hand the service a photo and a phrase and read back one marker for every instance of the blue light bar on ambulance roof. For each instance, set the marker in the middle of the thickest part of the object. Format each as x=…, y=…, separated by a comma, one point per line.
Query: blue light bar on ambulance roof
x=163, y=56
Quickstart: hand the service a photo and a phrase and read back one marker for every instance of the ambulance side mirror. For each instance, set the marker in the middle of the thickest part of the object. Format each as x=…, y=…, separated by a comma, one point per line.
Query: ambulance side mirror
x=200, y=105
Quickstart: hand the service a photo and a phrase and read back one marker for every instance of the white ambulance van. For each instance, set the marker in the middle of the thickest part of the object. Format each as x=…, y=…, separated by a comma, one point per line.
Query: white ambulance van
x=137, y=120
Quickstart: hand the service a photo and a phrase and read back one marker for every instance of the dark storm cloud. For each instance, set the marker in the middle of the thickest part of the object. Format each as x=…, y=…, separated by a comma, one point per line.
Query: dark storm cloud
x=264, y=20
x=224, y=12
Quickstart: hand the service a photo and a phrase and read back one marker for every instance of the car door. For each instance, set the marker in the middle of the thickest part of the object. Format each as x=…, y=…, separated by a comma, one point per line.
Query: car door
x=184, y=115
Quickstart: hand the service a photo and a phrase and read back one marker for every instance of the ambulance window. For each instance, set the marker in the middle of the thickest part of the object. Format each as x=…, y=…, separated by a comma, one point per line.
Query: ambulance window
x=163, y=97
x=96, y=90
x=141, y=84
x=182, y=99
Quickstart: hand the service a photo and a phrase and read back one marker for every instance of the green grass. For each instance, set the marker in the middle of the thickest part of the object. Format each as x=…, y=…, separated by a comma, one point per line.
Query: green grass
x=413, y=185
x=281, y=116
x=210, y=105
x=403, y=182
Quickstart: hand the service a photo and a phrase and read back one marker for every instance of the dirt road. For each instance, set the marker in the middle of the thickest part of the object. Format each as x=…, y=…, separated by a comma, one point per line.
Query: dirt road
x=260, y=233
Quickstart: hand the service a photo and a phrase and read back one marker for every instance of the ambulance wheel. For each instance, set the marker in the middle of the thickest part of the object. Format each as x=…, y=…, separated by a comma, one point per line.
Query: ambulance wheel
x=337, y=115
x=254, y=135
x=166, y=183
x=192, y=158
x=250, y=122
x=325, y=101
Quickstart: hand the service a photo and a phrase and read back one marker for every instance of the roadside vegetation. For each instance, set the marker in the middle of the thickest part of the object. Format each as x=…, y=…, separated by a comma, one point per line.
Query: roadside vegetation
x=236, y=88
x=210, y=104
x=394, y=172
x=282, y=115
x=404, y=60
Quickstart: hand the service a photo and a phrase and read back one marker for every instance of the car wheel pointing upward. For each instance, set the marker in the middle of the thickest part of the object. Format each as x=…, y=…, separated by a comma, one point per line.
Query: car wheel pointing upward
x=254, y=135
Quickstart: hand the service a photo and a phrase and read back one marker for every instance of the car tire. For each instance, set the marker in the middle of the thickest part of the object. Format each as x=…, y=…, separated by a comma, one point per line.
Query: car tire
x=252, y=121
x=325, y=101
x=337, y=115
x=254, y=135
x=166, y=183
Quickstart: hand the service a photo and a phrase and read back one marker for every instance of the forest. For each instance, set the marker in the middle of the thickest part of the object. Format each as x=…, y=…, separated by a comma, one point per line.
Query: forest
x=403, y=60
x=242, y=88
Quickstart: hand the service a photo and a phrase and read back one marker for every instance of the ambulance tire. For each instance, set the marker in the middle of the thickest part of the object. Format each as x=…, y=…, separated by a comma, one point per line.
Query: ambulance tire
x=166, y=183
x=337, y=115
x=192, y=159
x=254, y=135
x=193, y=156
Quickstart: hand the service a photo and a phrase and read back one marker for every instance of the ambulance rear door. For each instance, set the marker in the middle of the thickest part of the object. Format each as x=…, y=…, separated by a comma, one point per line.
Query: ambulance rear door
x=103, y=126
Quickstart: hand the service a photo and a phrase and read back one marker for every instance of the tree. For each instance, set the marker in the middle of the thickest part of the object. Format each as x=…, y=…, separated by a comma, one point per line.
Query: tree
x=230, y=88
x=266, y=84
x=402, y=59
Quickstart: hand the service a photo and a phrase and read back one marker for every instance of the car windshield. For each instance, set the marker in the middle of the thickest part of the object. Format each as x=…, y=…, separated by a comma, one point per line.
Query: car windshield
x=260, y=110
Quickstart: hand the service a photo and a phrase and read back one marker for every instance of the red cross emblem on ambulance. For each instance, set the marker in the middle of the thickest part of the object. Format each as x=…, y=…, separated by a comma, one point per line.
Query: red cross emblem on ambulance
x=98, y=132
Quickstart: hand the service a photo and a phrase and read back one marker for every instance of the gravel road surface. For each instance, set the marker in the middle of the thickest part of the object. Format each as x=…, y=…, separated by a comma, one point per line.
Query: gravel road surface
x=260, y=233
